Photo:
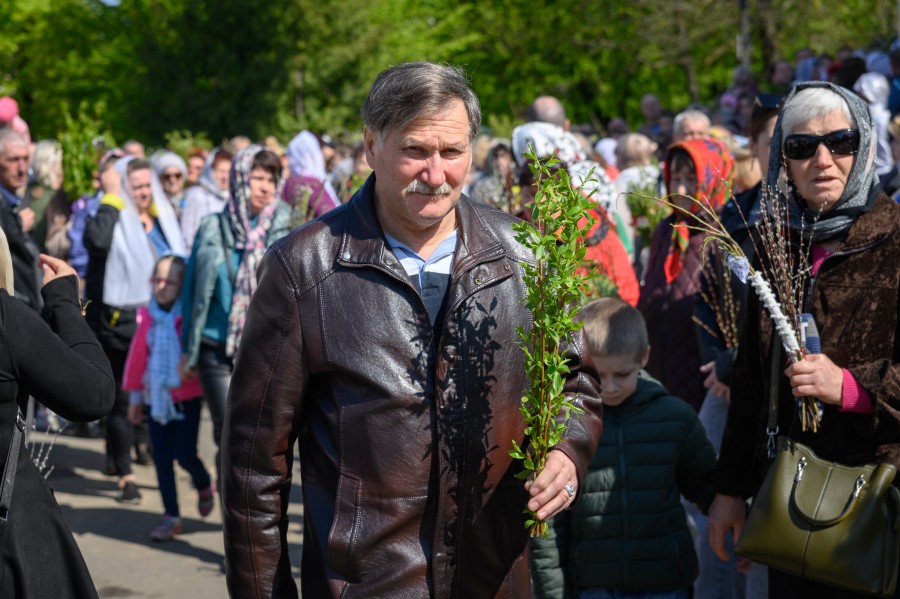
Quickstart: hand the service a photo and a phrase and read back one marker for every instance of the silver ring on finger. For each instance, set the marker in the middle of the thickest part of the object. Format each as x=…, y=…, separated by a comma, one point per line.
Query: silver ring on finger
x=569, y=488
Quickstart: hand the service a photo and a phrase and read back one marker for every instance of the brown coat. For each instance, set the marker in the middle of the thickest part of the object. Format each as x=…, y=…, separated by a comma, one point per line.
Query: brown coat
x=668, y=310
x=854, y=301
x=408, y=489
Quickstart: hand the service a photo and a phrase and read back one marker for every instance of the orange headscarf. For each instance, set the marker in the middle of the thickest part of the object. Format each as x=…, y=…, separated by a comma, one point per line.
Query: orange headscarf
x=715, y=171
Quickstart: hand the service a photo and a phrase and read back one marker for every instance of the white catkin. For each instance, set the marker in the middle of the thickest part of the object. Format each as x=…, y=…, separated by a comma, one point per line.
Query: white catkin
x=785, y=332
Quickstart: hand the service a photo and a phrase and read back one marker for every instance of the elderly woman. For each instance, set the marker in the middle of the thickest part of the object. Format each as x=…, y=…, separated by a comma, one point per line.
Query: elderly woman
x=133, y=227
x=849, y=232
x=171, y=170
x=221, y=274
x=48, y=200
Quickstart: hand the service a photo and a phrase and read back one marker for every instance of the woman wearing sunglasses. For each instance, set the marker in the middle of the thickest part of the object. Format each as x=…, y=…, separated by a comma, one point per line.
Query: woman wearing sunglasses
x=848, y=231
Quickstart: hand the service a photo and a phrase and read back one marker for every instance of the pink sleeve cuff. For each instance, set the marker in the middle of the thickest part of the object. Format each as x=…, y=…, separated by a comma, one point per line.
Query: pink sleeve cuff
x=854, y=398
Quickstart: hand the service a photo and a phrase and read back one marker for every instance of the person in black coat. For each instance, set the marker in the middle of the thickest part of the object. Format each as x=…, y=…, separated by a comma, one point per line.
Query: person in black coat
x=64, y=367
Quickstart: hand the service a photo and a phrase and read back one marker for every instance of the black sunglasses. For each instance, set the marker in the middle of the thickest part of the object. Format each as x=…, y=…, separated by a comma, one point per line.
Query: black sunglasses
x=800, y=147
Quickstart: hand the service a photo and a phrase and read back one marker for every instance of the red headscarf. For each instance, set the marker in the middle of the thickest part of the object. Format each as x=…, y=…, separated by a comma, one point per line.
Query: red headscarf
x=715, y=172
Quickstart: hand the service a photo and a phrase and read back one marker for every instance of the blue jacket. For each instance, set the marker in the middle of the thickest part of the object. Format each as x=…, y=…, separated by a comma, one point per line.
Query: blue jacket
x=213, y=238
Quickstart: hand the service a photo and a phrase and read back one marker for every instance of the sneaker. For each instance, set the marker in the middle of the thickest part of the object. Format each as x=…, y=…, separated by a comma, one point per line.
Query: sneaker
x=129, y=494
x=206, y=499
x=167, y=529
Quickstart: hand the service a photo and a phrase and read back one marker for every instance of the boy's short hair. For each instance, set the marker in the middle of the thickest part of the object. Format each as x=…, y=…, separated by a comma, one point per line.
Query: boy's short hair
x=614, y=328
x=177, y=267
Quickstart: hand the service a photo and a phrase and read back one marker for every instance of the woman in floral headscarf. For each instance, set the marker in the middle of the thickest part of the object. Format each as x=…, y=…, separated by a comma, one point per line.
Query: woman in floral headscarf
x=697, y=170
x=221, y=273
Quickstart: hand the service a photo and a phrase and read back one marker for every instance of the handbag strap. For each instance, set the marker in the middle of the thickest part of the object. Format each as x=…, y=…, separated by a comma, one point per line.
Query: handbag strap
x=772, y=421
x=9, y=471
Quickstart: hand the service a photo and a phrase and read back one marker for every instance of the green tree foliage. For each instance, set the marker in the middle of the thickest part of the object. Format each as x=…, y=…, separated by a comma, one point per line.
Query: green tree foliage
x=83, y=139
x=225, y=67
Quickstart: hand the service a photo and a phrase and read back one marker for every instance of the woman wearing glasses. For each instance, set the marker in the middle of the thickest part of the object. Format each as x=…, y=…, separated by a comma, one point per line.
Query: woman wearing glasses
x=848, y=232
x=172, y=172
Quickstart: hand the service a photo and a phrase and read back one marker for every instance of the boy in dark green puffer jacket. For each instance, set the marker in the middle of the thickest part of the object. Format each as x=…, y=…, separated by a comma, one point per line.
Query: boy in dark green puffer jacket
x=627, y=535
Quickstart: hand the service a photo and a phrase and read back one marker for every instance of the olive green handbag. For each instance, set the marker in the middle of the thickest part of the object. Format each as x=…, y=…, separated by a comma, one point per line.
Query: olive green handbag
x=825, y=521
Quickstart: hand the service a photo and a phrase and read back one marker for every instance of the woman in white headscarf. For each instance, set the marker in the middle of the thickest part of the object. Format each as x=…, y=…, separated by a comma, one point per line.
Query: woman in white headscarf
x=134, y=226
x=208, y=196
x=171, y=170
x=308, y=183
x=874, y=88
x=604, y=247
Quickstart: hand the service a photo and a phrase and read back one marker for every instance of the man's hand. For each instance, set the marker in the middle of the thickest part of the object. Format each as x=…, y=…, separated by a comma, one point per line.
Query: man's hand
x=712, y=382
x=26, y=215
x=817, y=376
x=55, y=268
x=110, y=181
x=548, y=490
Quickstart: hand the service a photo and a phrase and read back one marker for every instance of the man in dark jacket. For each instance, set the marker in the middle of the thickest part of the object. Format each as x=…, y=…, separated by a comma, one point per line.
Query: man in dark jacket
x=16, y=222
x=383, y=335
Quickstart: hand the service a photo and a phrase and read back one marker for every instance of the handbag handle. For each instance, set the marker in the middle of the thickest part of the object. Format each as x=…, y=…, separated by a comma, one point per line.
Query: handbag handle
x=851, y=502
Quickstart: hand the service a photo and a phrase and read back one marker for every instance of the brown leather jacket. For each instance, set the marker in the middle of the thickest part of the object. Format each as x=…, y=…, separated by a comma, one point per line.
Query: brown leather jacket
x=408, y=489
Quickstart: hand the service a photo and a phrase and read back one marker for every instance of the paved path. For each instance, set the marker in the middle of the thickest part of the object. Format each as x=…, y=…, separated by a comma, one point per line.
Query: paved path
x=114, y=537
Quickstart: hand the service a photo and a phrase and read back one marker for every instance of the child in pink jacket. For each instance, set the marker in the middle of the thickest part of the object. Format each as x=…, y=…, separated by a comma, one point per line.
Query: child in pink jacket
x=173, y=406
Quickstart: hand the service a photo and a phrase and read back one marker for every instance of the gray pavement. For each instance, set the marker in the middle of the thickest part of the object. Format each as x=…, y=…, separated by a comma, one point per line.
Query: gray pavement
x=114, y=537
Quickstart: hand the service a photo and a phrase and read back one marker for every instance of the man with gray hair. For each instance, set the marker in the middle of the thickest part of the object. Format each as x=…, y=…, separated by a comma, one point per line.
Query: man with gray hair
x=690, y=124
x=382, y=335
x=16, y=220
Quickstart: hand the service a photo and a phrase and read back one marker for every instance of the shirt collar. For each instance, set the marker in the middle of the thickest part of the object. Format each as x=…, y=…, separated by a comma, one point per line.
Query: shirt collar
x=12, y=198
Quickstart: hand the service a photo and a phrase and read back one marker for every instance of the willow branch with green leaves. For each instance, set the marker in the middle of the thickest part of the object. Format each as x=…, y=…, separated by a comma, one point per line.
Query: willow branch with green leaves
x=554, y=291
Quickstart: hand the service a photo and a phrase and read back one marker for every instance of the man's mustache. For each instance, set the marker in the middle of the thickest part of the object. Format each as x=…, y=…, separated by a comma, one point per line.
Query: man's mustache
x=416, y=186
